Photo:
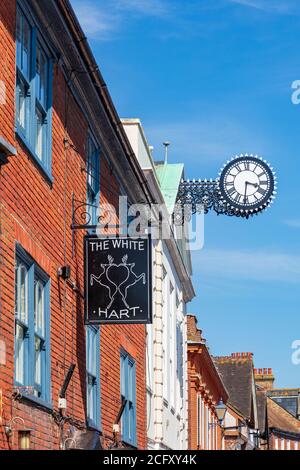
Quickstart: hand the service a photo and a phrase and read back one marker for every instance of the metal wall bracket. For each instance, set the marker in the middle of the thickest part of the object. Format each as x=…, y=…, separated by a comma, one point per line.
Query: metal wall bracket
x=203, y=196
x=6, y=150
x=82, y=218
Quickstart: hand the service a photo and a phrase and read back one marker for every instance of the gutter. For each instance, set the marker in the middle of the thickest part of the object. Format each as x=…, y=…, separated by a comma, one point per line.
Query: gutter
x=93, y=70
x=287, y=434
x=217, y=375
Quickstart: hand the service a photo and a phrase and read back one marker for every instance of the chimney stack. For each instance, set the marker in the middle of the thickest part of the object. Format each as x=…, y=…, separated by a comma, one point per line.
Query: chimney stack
x=264, y=378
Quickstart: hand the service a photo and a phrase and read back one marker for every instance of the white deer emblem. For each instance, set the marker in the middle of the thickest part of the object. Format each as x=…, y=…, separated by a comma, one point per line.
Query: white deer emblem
x=117, y=278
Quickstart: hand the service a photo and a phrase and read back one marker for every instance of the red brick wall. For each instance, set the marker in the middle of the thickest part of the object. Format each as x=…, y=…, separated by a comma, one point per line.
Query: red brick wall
x=201, y=382
x=293, y=445
x=112, y=338
x=38, y=215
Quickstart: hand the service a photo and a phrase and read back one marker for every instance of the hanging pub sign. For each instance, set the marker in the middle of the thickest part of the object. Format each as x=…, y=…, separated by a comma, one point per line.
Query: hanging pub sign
x=117, y=280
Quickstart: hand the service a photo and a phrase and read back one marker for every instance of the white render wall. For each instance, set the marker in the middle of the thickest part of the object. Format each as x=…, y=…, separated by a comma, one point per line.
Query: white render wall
x=166, y=358
x=137, y=139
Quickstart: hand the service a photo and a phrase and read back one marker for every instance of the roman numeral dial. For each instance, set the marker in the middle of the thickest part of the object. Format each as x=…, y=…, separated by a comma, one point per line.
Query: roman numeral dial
x=247, y=183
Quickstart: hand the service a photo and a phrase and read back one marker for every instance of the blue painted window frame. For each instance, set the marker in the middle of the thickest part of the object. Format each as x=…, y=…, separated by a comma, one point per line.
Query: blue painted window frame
x=93, y=179
x=93, y=411
x=128, y=393
x=36, y=330
x=28, y=83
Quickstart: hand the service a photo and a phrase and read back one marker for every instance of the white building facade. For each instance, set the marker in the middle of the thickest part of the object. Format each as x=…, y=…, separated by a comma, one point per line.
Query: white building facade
x=167, y=380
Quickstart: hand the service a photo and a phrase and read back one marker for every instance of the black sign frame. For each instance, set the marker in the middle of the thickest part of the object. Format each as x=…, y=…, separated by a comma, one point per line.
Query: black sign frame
x=144, y=318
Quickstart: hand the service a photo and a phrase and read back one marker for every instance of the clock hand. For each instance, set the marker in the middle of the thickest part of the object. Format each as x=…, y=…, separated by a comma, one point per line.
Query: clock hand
x=245, y=195
x=252, y=184
x=246, y=184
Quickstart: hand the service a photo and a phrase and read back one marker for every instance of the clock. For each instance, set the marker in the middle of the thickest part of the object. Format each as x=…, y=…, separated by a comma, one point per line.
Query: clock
x=247, y=184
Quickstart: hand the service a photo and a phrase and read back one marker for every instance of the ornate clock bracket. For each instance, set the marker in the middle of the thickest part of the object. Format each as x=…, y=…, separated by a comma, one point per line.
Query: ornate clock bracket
x=196, y=196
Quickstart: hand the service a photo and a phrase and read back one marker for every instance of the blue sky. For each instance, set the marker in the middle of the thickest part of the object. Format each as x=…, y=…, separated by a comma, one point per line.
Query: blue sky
x=214, y=78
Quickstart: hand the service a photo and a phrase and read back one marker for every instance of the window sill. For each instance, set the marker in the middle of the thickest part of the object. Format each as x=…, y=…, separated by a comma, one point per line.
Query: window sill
x=129, y=444
x=46, y=174
x=91, y=425
x=38, y=402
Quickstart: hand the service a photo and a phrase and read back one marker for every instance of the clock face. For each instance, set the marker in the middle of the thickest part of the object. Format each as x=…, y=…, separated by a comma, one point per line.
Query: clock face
x=247, y=183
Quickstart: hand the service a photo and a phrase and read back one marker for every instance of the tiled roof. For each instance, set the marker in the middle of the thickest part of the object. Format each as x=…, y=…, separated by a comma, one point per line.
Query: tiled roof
x=261, y=401
x=279, y=418
x=237, y=374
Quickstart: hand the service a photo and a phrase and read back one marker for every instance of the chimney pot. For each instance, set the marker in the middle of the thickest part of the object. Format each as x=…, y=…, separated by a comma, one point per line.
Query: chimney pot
x=264, y=377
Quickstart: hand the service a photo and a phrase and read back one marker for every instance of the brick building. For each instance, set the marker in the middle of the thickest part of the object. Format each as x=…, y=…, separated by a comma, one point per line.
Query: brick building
x=206, y=389
x=241, y=419
x=278, y=413
x=61, y=142
x=283, y=429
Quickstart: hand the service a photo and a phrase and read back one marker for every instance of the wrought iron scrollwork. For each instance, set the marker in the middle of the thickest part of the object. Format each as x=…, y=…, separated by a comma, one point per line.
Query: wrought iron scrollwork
x=82, y=216
x=203, y=196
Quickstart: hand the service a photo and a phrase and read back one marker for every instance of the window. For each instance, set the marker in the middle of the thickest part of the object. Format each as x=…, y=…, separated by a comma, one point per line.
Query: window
x=206, y=427
x=165, y=301
x=202, y=434
x=209, y=428
x=32, y=327
x=172, y=346
x=288, y=403
x=216, y=433
x=93, y=181
x=93, y=376
x=199, y=430
x=179, y=369
x=212, y=430
x=24, y=63
x=33, y=92
x=128, y=393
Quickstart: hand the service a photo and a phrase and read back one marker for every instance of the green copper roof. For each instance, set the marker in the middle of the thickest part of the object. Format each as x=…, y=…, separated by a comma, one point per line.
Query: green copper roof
x=169, y=176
